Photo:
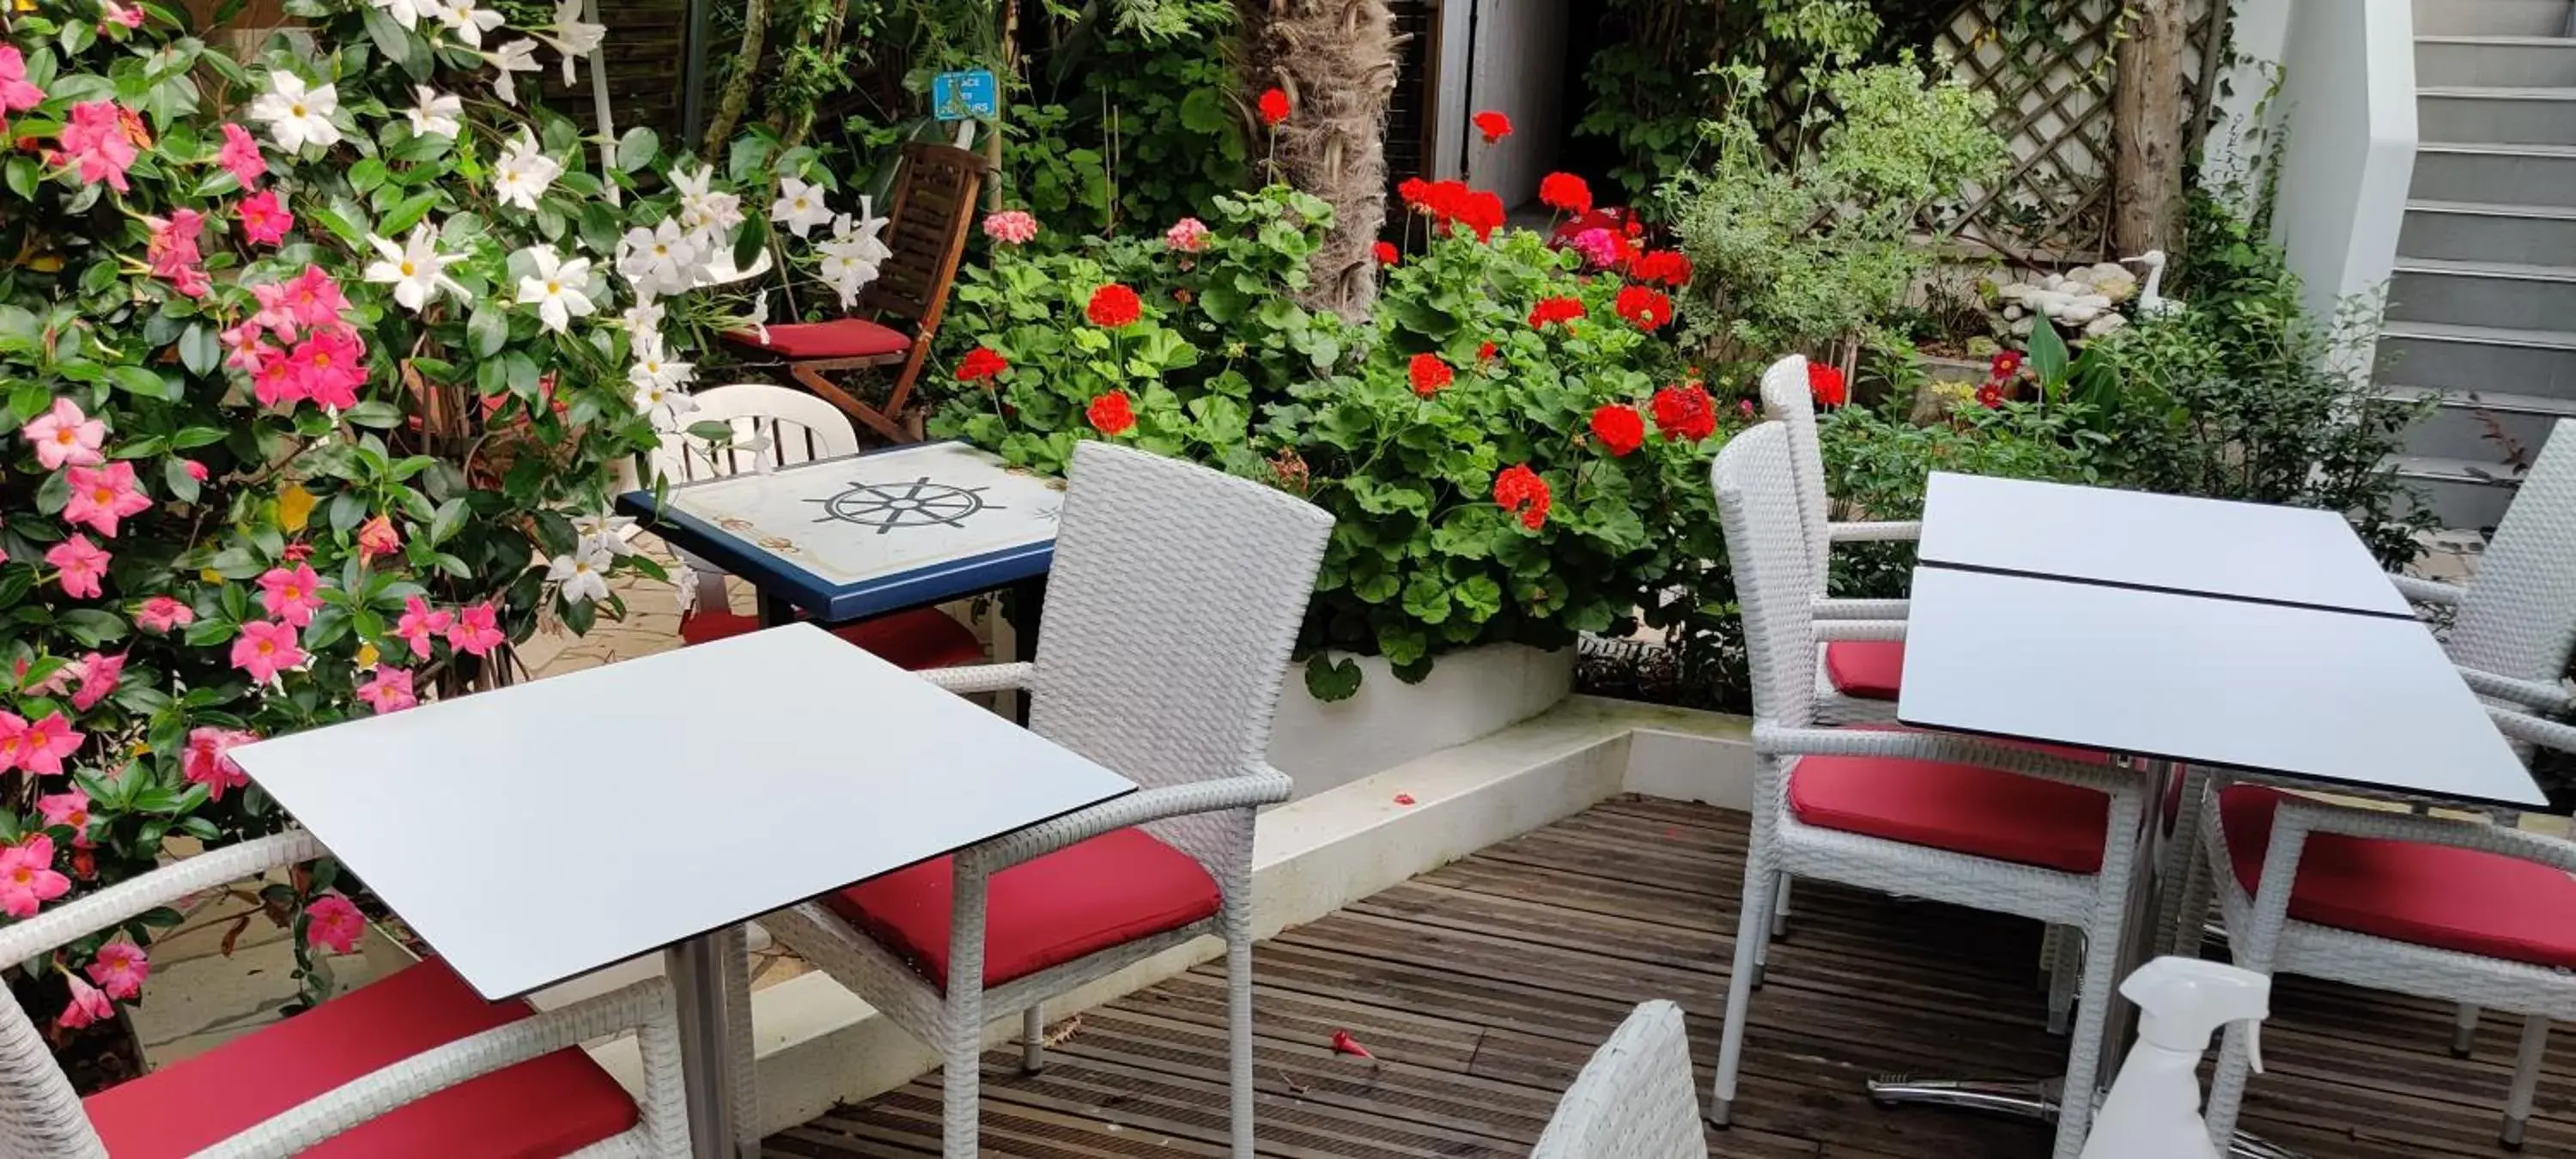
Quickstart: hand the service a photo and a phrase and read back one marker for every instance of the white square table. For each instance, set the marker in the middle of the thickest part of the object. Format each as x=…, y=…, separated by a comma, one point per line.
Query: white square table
x=2246, y=551
x=538, y=832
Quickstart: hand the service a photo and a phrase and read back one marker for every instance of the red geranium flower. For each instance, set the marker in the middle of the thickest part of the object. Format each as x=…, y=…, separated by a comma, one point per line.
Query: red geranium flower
x=1519, y=489
x=1826, y=384
x=1485, y=352
x=1412, y=190
x=1685, y=413
x=2006, y=364
x=980, y=364
x=1555, y=310
x=1274, y=107
x=1386, y=253
x=1619, y=427
x=1111, y=414
x=1991, y=396
x=1480, y=211
x=1649, y=309
x=1669, y=267
x=1565, y=191
x=1493, y=125
x=1428, y=374
x=1113, y=306
x=1453, y=205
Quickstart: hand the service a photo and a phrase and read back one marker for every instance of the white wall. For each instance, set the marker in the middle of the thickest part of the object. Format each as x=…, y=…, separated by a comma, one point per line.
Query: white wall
x=2347, y=103
x=1516, y=66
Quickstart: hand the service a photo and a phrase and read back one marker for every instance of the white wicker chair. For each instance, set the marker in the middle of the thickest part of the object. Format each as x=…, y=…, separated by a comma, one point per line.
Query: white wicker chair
x=41, y=1117
x=1787, y=400
x=1174, y=599
x=1635, y=1099
x=2020, y=796
x=2285, y=924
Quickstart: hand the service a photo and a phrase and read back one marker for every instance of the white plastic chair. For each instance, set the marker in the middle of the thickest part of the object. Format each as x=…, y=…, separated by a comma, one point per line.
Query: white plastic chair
x=1635, y=1099
x=1175, y=597
x=1820, y=790
x=40, y=1116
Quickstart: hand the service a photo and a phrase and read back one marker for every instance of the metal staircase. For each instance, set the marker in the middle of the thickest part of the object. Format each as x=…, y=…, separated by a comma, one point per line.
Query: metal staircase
x=2482, y=307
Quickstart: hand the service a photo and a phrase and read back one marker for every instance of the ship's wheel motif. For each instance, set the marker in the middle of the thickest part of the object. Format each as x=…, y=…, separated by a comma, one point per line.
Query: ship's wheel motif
x=918, y=503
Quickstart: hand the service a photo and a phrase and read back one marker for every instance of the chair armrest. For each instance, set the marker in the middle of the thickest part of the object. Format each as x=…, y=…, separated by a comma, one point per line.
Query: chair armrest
x=979, y=677
x=1268, y=786
x=2299, y=816
x=1907, y=531
x=1860, y=630
x=2545, y=694
x=1949, y=748
x=2424, y=591
x=126, y=900
x=2545, y=733
x=353, y=1103
x=1837, y=609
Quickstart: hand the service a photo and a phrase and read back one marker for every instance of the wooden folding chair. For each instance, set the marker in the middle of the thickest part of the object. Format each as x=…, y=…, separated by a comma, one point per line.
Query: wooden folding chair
x=934, y=205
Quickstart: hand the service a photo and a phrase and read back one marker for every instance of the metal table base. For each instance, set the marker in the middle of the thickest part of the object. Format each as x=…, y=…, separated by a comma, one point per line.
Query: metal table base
x=2029, y=1099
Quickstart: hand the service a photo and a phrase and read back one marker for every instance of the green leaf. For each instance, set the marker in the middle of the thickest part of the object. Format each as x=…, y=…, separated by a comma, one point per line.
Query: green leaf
x=91, y=626
x=145, y=381
x=21, y=174
x=487, y=331
x=755, y=235
x=637, y=149
x=2047, y=354
x=408, y=212
x=399, y=46
x=367, y=174
x=200, y=350
x=175, y=476
x=451, y=515
x=375, y=413
x=1329, y=680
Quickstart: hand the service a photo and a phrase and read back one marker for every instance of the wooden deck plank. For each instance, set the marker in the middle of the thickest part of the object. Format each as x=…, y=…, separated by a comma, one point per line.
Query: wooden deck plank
x=1484, y=985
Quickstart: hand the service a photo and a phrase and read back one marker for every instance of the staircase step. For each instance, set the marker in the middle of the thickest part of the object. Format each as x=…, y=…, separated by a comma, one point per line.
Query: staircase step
x=2514, y=174
x=2495, y=294
x=2451, y=356
x=2495, y=60
x=2482, y=426
x=2492, y=18
x=2461, y=492
x=2478, y=231
x=2496, y=116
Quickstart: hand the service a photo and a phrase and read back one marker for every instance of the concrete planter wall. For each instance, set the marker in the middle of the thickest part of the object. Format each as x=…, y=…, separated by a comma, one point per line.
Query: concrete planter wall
x=1468, y=695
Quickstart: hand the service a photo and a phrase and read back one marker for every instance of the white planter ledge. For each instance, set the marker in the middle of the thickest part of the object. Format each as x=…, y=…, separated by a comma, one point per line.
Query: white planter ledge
x=1323, y=745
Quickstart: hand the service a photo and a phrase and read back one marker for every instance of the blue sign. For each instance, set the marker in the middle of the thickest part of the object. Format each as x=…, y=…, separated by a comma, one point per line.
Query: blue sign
x=960, y=96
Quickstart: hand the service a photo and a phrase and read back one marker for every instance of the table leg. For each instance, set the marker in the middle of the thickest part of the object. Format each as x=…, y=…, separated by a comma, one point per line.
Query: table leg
x=775, y=611
x=696, y=970
x=1016, y=639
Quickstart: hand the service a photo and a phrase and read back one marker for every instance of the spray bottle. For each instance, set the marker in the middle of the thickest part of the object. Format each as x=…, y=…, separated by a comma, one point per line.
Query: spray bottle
x=2153, y=1111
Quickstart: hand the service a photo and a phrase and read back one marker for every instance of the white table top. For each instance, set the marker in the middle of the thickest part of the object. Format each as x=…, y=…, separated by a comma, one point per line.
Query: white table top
x=541, y=831
x=2249, y=551
x=2361, y=701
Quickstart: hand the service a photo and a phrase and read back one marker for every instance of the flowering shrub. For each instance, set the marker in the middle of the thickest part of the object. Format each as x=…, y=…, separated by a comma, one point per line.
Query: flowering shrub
x=314, y=372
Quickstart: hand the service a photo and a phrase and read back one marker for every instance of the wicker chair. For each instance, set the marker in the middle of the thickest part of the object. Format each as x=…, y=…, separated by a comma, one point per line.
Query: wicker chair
x=2009, y=828
x=2469, y=911
x=934, y=204
x=413, y=1066
x=1856, y=679
x=1635, y=1099
x=1174, y=599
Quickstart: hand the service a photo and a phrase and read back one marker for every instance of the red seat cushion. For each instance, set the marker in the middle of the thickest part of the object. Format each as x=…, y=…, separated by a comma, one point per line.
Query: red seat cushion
x=1960, y=808
x=1111, y=889
x=538, y=1109
x=914, y=640
x=845, y=338
x=2428, y=895
x=1868, y=669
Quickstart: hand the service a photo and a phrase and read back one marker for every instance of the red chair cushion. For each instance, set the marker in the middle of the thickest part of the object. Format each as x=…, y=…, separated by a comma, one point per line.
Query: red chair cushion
x=1868, y=669
x=539, y=1109
x=845, y=338
x=2428, y=895
x=1960, y=808
x=1109, y=890
x=914, y=640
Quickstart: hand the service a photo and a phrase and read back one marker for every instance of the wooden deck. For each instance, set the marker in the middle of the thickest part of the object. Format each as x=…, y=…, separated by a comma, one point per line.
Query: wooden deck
x=1482, y=988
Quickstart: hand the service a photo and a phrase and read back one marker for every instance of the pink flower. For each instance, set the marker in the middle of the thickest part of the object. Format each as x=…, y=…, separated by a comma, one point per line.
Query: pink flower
x=1599, y=247
x=120, y=969
x=27, y=877
x=476, y=631
x=377, y=537
x=1188, y=235
x=246, y=352
x=80, y=564
x=102, y=496
x=276, y=309
x=173, y=244
x=390, y=691
x=99, y=677
x=15, y=93
x=204, y=761
x=111, y=12
x=41, y=746
x=162, y=614
x=195, y=469
x=266, y=649
x=419, y=624
x=333, y=922
x=191, y=281
x=88, y=1004
x=64, y=435
x=330, y=366
x=315, y=299
x=279, y=382
x=1014, y=226
x=95, y=139
x=240, y=156
x=291, y=595
x=263, y=220
x=70, y=810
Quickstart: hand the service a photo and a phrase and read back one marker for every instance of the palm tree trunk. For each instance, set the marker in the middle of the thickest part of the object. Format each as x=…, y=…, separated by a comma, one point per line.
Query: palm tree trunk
x=1336, y=61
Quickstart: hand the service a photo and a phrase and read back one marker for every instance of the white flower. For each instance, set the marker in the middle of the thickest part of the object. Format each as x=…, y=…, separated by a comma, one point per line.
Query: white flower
x=642, y=318
x=407, y=12
x=523, y=173
x=658, y=261
x=295, y=115
x=583, y=574
x=757, y=320
x=704, y=208
x=851, y=258
x=654, y=370
x=604, y=532
x=664, y=405
x=515, y=57
x=461, y=17
x=416, y=268
x=437, y=114
x=799, y=206
x=572, y=36
x=556, y=287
